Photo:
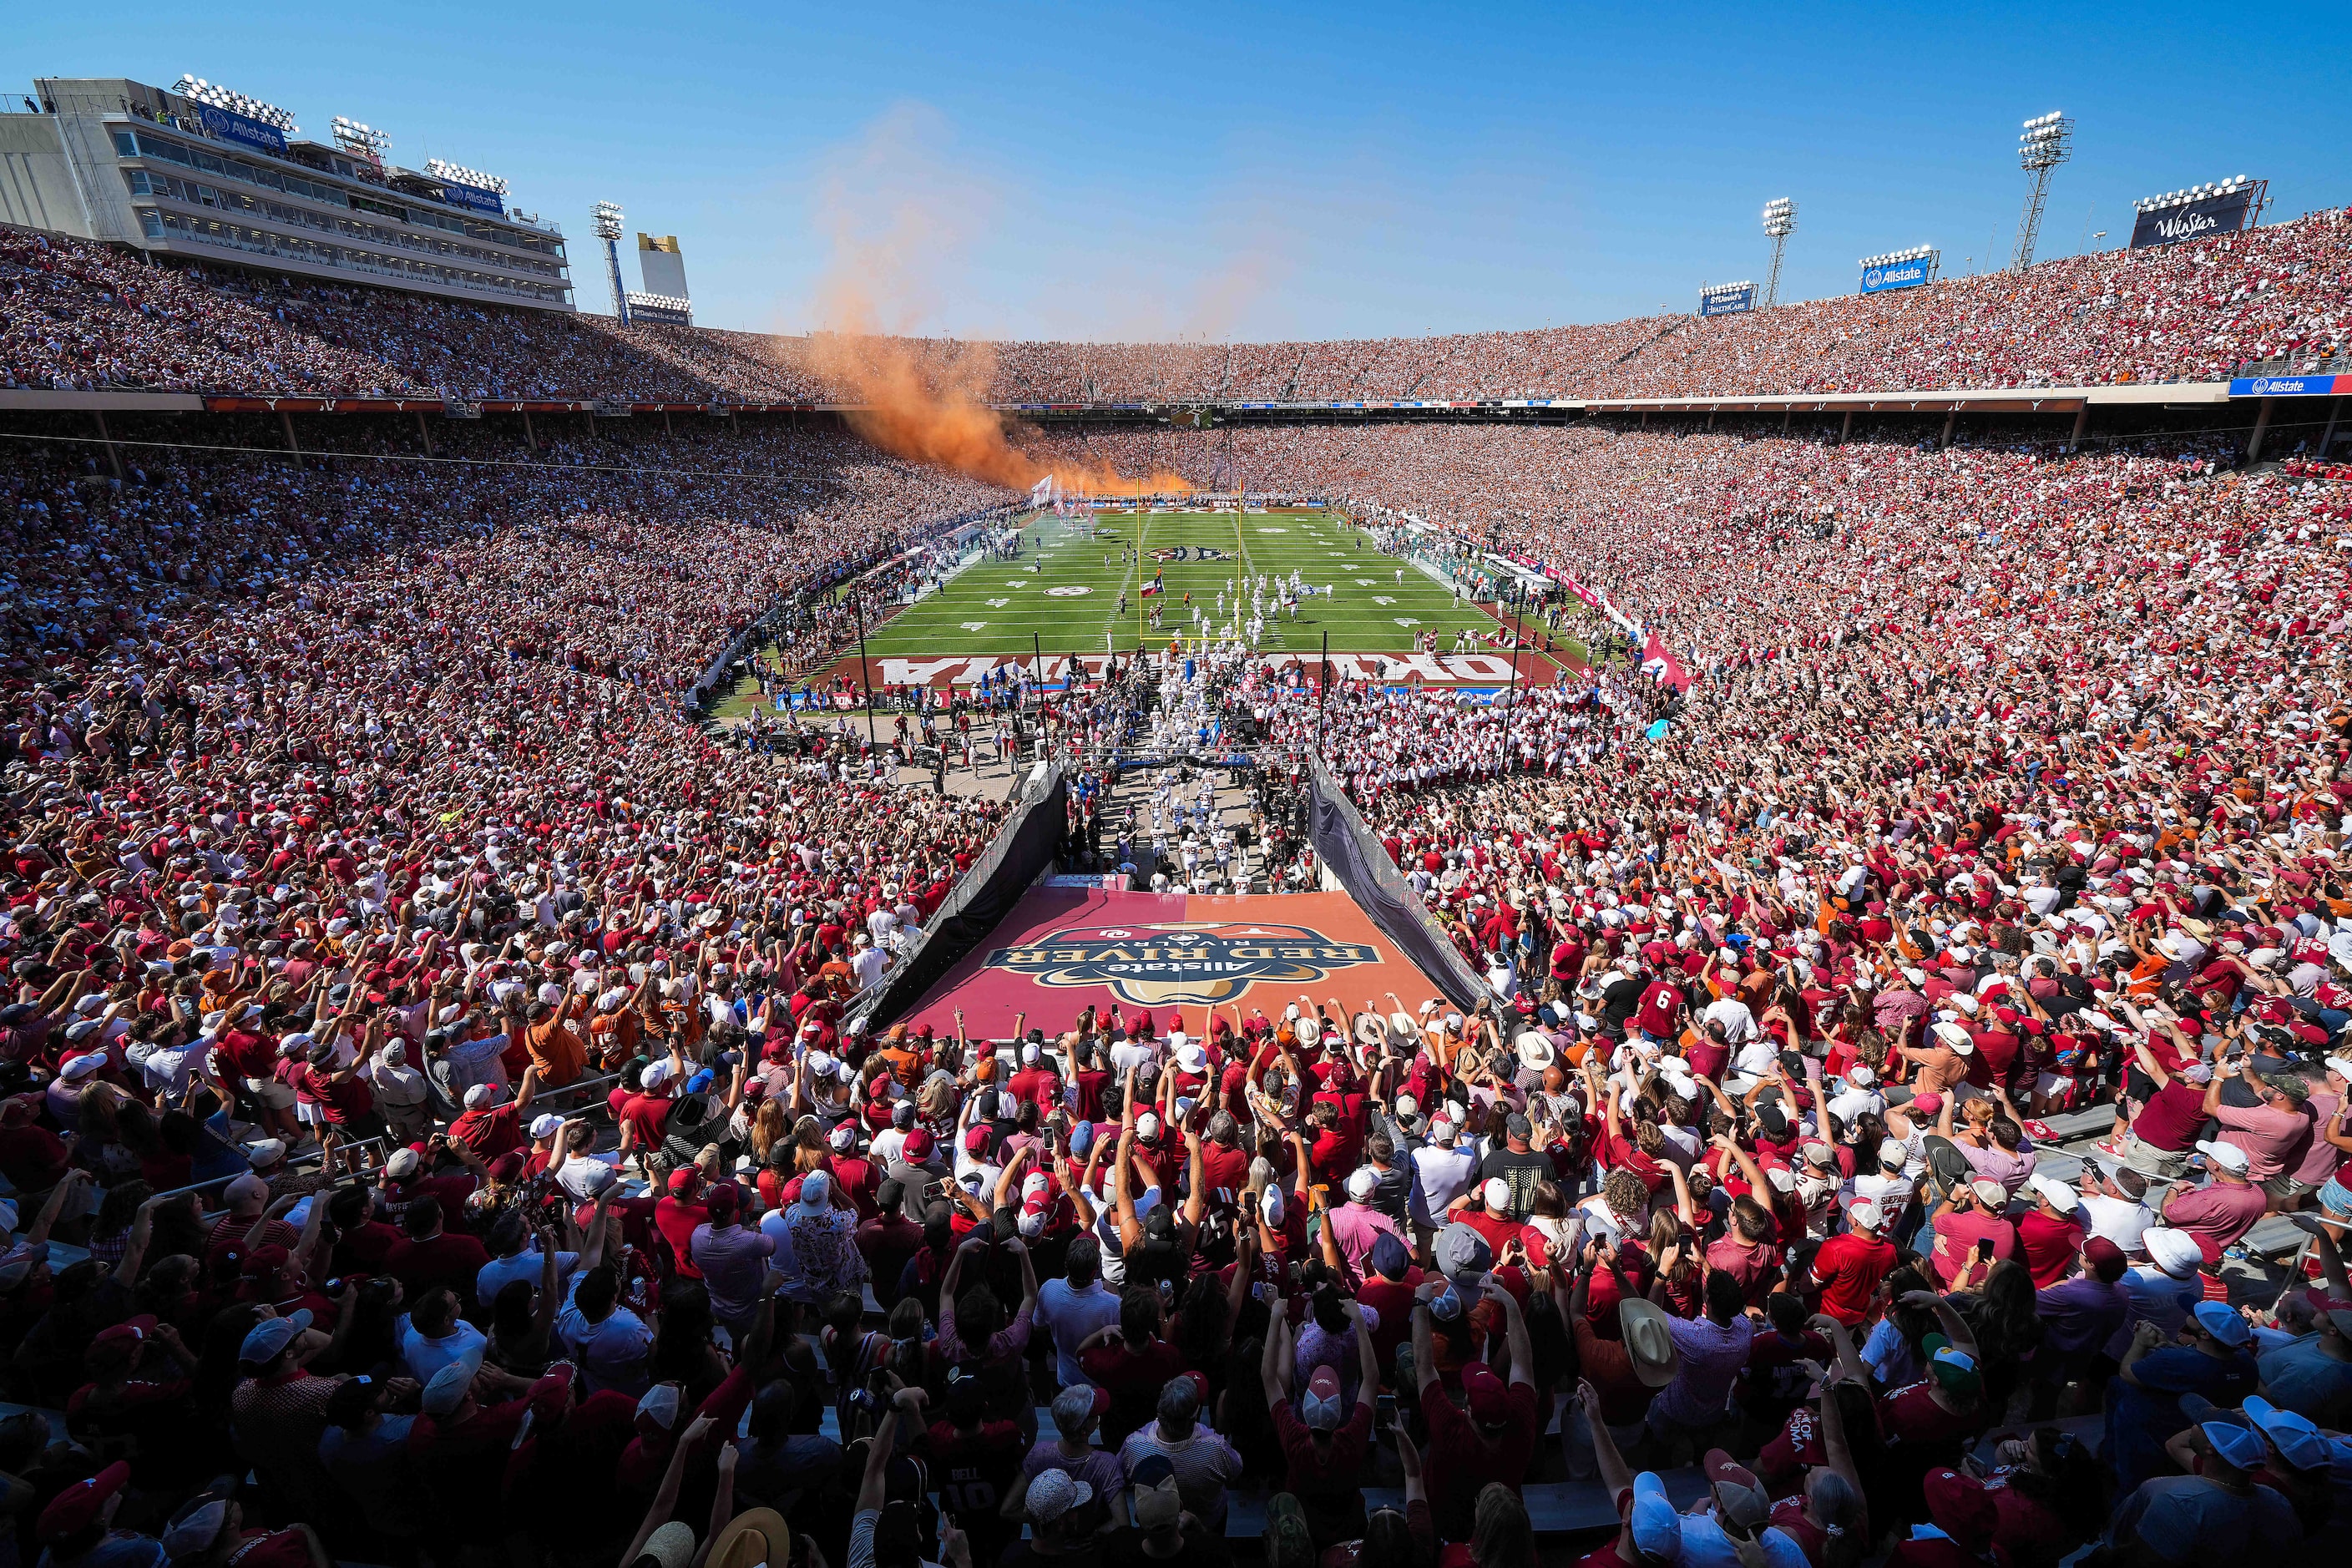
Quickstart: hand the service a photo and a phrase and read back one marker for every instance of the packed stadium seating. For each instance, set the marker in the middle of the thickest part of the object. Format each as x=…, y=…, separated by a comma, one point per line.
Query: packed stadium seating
x=427, y=1074
x=81, y=316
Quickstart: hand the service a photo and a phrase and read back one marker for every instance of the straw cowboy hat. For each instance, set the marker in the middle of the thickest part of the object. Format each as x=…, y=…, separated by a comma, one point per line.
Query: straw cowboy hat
x=757, y=1536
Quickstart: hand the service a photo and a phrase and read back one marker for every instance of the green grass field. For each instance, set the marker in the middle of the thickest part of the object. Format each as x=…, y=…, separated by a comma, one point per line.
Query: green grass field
x=1072, y=604
x=1067, y=611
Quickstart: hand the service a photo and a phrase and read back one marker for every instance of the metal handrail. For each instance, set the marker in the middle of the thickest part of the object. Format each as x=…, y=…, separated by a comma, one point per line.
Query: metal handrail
x=315, y=1156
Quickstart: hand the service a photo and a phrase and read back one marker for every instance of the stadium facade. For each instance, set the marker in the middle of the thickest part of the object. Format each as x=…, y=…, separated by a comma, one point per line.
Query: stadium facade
x=109, y=159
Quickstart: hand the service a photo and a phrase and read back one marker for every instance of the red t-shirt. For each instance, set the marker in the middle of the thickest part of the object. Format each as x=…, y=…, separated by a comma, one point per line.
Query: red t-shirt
x=1460, y=1459
x=270, y=1548
x=1848, y=1267
x=1910, y=1418
x=1499, y=1230
x=1754, y=1267
x=676, y=1219
x=1223, y=1169
x=2050, y=1247
x=2170, y=1120
x=451, y=1259
x=1392, y=1300
x=490, y=1132
x=649, y=1119
x=1655, y=1015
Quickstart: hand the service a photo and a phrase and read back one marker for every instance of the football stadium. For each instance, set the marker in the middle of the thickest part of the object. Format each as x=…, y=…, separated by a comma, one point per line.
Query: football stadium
x=1710, y=935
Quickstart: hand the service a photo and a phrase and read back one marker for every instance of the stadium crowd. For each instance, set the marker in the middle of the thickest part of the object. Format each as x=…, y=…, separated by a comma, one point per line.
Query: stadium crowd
x=83, y=316
x=439, y=1126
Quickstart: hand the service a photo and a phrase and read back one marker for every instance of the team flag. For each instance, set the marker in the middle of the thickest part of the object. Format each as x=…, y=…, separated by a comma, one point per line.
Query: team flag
x=1155, y=585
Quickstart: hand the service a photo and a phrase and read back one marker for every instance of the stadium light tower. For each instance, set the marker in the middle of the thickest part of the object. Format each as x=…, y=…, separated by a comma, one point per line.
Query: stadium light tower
x=608, y=229
x=2048, y=140
x=202, y=91
x=362, y=140
x=1780, y=223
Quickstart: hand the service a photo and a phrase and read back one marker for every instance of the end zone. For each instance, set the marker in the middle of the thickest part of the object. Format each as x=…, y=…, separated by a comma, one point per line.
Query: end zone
x=1465, y=669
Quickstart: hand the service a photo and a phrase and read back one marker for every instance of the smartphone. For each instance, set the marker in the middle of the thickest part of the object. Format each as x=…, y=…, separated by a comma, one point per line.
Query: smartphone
x=1984, y=1249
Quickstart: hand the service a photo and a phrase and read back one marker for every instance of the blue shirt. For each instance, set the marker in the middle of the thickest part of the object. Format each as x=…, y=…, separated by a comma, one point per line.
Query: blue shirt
x=2305, y=1379
x=2141, y=1418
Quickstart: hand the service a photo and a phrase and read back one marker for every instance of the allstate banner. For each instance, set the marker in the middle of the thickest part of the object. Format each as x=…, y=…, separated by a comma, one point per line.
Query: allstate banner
x=2290, y=385
x=1893, y=275
x=473, y=196
x=2225, y=213
x=1729, y=302
x=230, y=126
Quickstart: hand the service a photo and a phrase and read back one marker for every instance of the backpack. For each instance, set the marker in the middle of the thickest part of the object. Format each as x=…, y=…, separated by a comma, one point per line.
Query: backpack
x=694, y=1120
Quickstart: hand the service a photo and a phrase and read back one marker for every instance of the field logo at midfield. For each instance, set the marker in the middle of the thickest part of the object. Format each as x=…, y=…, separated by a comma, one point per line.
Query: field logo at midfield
x=1181, y=963
x=1191, y=553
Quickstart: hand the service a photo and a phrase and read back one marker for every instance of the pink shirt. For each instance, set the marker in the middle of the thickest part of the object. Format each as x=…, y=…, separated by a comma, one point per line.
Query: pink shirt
x=2217, y=1213
x=2273, y=1139
x=1354, y=1229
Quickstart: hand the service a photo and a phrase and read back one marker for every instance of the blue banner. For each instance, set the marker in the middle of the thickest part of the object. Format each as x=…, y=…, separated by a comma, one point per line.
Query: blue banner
x=2225, y=213
x=2290, y=385
x=473, y=196
x=230, y=126
x=1730, y=301
x=1893, y=275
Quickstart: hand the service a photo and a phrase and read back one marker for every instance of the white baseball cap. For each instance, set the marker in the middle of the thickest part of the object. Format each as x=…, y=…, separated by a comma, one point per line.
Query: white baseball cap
x=2227, y=1156
x=2057, y=1193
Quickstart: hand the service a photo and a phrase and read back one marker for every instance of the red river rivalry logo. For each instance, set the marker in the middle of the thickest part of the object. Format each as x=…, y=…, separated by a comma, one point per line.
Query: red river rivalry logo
x=1182, y=964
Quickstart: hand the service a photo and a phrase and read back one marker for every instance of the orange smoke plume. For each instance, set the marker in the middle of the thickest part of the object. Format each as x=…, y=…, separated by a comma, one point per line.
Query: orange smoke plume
x=938, y=413
x=894, y=214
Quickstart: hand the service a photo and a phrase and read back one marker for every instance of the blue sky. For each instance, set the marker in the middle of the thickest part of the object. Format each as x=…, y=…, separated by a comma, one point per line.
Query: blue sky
x=1269, y=170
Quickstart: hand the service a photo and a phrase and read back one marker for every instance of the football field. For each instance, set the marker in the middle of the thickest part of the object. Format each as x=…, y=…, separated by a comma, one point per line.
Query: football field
x=1064, y=588
x=1061, y=598
x=1055, y=610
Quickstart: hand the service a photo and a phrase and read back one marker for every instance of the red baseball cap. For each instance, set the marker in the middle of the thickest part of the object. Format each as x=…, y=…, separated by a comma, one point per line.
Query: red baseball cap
x=1489, y=1402
x=81, y=1505
x=551, y=1396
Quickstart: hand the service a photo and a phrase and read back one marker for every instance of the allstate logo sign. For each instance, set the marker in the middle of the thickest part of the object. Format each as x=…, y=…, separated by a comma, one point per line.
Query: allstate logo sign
x=1182, y=964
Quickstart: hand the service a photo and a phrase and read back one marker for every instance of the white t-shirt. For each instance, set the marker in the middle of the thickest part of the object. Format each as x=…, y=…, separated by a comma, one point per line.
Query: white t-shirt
x=2119, y=1220
x=1849, y=1103
x=1129, y=1054
x=1439, y=1176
